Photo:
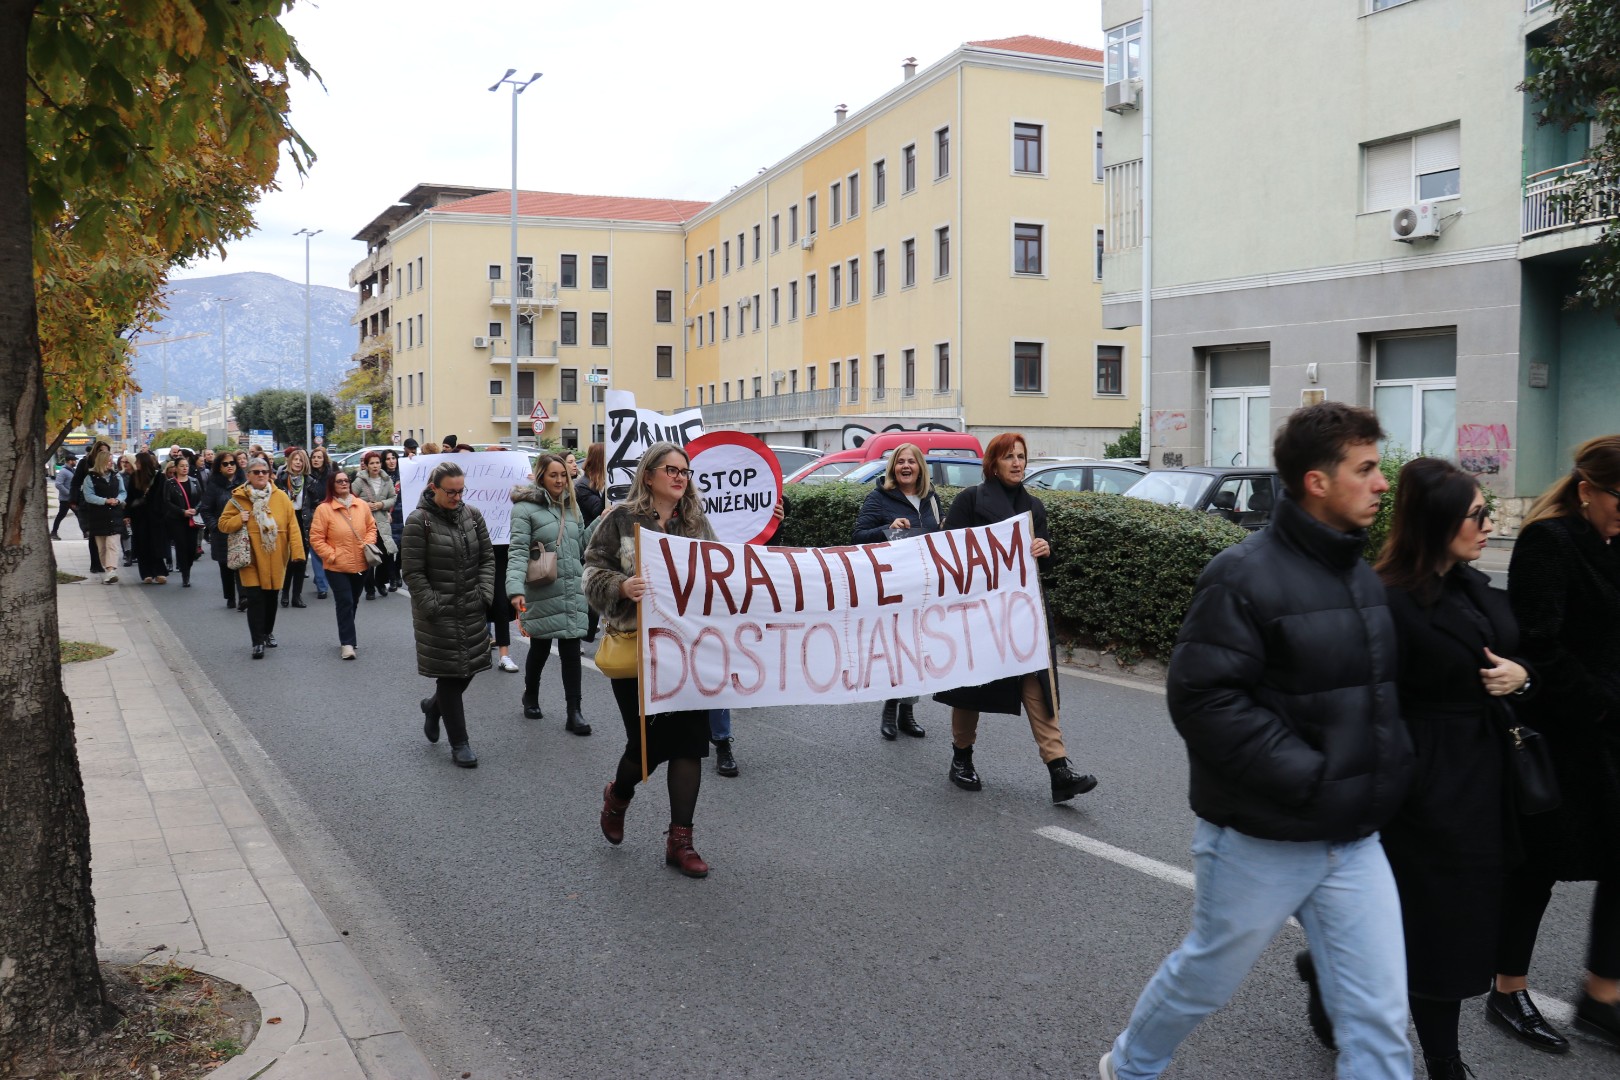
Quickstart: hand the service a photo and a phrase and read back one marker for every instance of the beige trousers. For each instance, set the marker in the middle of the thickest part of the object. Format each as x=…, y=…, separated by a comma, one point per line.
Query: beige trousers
x=1043, y=723
x=111, y=553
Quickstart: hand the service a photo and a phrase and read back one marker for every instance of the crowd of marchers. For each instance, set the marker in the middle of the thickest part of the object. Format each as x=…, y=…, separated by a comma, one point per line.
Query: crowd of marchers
x=1398, y=755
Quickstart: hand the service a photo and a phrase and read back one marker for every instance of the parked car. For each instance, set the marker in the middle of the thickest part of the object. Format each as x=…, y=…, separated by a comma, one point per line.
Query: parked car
x=881, y=445
x=794, y=458
x=1083, y=475
x=822, y=469
x=1242, y=495
x=943, y=471
x=350, y=462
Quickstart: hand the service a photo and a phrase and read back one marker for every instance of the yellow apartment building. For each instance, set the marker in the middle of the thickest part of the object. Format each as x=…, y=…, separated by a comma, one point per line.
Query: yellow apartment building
x=933, y=259
x=598, y=290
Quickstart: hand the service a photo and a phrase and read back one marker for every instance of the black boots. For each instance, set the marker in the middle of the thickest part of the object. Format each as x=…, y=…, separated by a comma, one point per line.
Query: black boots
x=430, y=719
x=1066, y=783
x=531, y=707
x=724, y=763
x=908, y=723
x=576, y=724
x=962, y=774
x=463, y=756
x=1517, y=1014
x=1448, y=1068
x=1598, y=1018
x=886, y=724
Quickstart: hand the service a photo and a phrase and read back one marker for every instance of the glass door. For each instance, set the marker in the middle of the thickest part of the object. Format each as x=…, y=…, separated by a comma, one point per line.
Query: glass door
x=1240, y=427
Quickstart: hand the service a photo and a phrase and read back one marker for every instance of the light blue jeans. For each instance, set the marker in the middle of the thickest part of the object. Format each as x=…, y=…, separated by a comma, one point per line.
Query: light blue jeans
x=1345, y=897
x=719, y=725
x=318, y=571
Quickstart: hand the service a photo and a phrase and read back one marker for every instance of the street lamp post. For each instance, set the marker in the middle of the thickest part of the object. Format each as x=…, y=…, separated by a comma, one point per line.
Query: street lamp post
x=517, y=88
x=224, y=373
x=309, y=421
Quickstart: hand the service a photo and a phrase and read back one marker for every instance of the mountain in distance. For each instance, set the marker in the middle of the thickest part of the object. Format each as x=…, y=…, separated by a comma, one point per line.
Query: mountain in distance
x=264, y=337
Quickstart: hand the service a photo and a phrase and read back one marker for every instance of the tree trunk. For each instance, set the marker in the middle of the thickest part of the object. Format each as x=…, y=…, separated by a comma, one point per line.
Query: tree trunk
x=51, y=992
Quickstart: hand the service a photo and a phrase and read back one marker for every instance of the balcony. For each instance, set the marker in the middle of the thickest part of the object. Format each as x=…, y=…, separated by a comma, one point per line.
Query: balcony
x=1545, y=212
x=500, y=408
x=532, y=295
x=536, y=352
x=836, y=402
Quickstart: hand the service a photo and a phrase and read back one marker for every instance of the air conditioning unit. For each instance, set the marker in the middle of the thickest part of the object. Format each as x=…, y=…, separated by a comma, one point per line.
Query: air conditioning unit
x=480, y=342
x=808, y=242
x=1122, y=96
x=778, y=376
x=745, y=301
x=689, y=323
x=1420, y=221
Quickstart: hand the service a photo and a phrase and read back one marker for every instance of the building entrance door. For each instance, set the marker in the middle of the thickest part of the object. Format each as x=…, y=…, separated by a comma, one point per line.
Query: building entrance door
x=1239, y=407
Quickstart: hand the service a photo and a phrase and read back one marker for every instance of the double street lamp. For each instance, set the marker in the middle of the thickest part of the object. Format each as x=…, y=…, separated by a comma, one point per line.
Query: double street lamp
x=518, y=86
x=309, y=421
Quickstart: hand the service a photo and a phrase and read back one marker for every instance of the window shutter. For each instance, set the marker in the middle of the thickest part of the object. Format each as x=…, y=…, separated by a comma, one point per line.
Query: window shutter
x=1437, y=151
x=1389, y=175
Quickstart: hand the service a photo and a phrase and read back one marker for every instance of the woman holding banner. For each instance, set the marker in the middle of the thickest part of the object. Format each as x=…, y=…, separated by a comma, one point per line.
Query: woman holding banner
x=1000, y=497
x=662, y=499
x=544, y=518
x=904, y=503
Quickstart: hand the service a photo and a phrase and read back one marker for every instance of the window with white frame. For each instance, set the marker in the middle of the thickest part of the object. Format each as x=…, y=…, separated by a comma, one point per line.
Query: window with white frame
x=599, y=271
x=908, y=263
x=942, y=251
x=599, y=328
x=835, y=279
x=1418, y=168
x=1111, y=370
x=663, y=306
x=776, y=233
x=1097, y=269
x=568, y=327
x=756, y=312
x=700, y=270
x=725, y=324
x=494, y=271
x=1415, y=393
x=810, y=378
x=756, y=243
x=793, y=225
x=880, y=272
x=908, y=171
x=942, y=366
x=793, y=300
x=725, y=255
x=1029, y=374
x=776, y=306
x=835, y=202
x=854, y=379
x=810, y=216
x=497, y=330
x=1028, y=149
x=880, y=376
x=942, y=153
x=908, y=364
x=1122, y=53
x=852, y=194
x=809, y=294
x=854, y=281
x=880, y=182
x=568, y=272
x=835, y=371
x=666, y=363
x=1097, y=155
x=1028, y=241
x=568, y=385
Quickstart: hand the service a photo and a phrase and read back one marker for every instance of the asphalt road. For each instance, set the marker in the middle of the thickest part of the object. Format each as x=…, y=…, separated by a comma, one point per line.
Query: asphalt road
x=863, y=918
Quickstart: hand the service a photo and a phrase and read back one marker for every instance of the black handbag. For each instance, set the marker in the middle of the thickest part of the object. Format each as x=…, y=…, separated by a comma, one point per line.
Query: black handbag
x=1530, y=768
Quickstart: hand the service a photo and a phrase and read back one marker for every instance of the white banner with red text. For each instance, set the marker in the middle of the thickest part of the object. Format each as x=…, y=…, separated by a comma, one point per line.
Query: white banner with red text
x=739, y=626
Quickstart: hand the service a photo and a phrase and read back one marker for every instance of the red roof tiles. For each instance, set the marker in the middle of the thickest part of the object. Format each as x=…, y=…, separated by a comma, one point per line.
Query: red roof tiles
x=1039, y=46
x=589, y=207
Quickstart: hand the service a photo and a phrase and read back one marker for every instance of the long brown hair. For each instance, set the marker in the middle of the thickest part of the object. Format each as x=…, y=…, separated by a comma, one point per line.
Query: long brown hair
x=542, y=464
x=595, y=467
x=689, y=511
x=1432, y=498
x=1597, y=461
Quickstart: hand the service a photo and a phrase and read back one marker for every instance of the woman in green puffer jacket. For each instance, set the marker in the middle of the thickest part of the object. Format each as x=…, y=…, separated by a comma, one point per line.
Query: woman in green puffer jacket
x=449, y=567
x=545, y=517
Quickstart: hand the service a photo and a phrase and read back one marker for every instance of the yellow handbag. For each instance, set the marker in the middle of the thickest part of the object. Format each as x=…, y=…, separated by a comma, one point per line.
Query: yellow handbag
x=616, y=656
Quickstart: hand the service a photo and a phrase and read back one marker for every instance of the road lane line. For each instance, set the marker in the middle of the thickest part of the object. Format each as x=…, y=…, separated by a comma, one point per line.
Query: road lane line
x=1559, y=1012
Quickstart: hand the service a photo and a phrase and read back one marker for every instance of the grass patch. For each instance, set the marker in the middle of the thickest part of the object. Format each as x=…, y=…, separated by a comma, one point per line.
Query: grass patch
x=65, y=578
x=74, y=651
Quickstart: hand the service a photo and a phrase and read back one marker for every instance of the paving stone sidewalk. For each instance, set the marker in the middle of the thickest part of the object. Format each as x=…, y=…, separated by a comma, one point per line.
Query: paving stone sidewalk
x=182, y=864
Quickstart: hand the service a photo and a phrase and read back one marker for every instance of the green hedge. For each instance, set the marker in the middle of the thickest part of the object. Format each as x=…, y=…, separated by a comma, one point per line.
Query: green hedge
x=1123, y=571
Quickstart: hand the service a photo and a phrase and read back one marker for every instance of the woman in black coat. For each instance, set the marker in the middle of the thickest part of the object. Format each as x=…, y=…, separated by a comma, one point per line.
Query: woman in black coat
x=396, y=518
x=1003, y=496
x=903, y=503
x=1564, y=582
x=222, y=480
x=1449, y=843
x=148, y=523
x=182, y=509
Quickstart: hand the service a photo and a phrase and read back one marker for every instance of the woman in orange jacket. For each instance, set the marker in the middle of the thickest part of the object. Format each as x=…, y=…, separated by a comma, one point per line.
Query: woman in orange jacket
x=342, y=528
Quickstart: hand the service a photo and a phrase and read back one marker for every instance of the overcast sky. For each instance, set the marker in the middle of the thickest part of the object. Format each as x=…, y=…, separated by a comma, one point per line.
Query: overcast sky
x=679, y=100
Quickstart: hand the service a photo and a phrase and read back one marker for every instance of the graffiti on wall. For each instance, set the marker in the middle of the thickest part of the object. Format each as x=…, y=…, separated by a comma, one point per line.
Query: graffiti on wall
x=1166, y=422
x=855, y=435
x=1483, y=449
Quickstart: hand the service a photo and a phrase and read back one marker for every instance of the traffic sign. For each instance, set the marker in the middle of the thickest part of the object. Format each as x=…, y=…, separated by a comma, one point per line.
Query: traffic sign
x=597, y=378
x=362, y=417
x=320, y=430
x=539, y=415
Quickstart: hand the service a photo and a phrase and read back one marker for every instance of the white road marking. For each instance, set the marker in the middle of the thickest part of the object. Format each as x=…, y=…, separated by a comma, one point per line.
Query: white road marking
x=1559, y=1012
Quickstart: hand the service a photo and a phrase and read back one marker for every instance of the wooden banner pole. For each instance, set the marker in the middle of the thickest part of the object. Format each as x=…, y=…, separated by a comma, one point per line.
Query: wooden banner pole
x=641, y=662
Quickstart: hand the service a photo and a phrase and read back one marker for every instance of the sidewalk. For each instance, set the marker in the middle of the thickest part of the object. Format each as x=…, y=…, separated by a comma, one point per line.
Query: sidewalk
x=183, y=866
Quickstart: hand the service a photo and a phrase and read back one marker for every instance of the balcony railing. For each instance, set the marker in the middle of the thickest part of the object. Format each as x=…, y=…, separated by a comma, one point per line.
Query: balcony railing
x=836, y=401
x=542, y=351
x=500, y=407
x=1545, y=210
x=530, y=293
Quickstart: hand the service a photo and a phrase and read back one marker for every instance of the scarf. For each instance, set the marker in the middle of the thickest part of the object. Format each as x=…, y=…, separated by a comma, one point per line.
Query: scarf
x=346, y=501
x=261, y=513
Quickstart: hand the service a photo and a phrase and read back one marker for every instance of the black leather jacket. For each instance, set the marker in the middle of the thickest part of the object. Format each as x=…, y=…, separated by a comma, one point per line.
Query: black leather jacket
x=1282, y=683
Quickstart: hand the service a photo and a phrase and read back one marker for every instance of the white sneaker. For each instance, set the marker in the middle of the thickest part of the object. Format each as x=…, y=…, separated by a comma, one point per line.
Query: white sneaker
x=1105, y=1067
x=346, y=651
x=508, y=664
x=110, y=579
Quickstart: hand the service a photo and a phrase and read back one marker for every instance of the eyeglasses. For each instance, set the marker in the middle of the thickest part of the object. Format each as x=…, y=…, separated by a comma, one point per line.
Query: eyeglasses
x=675, y=472
x=1479, y=517
x=453, y=493
x=340, y=483
x=1610, y=491
x=258, y=472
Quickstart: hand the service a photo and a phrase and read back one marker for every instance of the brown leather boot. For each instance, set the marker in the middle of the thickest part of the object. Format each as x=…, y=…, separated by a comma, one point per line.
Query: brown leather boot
x=679, y=854
x=613, y=809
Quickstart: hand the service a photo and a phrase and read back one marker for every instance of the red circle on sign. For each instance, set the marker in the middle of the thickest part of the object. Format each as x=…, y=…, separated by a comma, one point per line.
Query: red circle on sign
x=743, y=441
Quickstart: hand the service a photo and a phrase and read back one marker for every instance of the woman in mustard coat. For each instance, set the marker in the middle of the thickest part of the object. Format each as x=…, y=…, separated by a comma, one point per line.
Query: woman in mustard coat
x=273, y=530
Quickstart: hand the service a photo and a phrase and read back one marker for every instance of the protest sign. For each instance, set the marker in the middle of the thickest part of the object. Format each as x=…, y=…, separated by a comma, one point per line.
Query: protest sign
x=631, y=430
x=739, y=482
x=734, y=626
x=491, y=476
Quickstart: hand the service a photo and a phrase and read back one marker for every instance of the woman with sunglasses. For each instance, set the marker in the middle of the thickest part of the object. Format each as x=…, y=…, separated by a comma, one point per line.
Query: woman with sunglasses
x=449, y=568
x=222, y=479
x=662, y=499
x=1564, y=582
x=1448, y=844
x=277, y=542
x=342, y=527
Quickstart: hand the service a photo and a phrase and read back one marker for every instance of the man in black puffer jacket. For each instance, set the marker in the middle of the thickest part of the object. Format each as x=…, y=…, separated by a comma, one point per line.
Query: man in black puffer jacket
x=1282, y=684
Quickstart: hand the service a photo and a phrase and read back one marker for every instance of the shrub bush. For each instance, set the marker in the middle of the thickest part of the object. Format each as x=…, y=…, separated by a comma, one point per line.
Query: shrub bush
x=1123, y=569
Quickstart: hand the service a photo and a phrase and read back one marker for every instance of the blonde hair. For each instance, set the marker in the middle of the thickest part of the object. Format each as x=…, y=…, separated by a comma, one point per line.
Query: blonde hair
x=640, y=501
x=1597, y=461
x=924, y=486
x=543, y=463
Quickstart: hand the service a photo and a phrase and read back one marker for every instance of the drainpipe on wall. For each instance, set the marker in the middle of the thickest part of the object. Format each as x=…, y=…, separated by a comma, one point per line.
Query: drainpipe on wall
x=1147, y=229
x=961, y=244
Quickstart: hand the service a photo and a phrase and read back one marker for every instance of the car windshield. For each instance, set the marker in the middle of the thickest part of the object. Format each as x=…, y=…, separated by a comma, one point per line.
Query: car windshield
x=867, y=472
x=1171, y=488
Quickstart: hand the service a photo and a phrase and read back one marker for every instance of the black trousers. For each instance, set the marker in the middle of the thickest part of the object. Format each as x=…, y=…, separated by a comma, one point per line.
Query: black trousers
x=185, y=540
x=227, y=582
x=1523, y=902
x=293, y=584
x=447, y=695
x=261, y=612
x=500, y=608
x=535, y=665
x=62, y=511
